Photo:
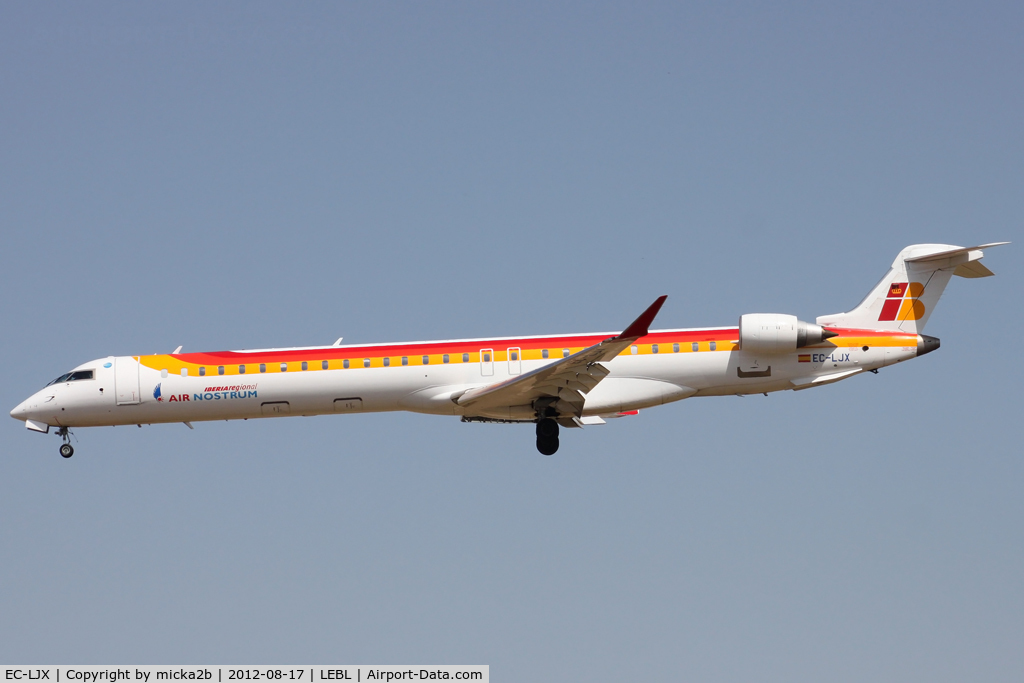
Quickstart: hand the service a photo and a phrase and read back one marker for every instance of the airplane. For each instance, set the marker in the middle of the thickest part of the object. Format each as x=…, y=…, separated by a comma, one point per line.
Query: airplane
x=550, y=381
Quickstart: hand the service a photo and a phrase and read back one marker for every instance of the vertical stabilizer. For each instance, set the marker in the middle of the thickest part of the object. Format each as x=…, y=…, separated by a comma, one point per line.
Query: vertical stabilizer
x=905, y=298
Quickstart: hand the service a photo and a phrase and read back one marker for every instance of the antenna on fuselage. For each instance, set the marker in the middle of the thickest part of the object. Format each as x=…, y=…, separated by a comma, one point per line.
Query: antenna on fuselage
x=177, y=350
x=337, y=343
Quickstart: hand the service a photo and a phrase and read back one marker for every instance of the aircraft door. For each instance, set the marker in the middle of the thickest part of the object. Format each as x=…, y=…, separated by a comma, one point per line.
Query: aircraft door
x=514, y=363
x=126, y=380
x=486, y=362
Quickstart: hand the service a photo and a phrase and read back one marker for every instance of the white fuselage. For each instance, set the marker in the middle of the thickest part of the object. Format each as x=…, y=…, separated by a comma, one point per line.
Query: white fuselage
x=661, y=367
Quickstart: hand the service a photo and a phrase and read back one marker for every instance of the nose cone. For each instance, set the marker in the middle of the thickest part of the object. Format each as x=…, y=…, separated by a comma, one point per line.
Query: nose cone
x=19, y=412
x=926, y=344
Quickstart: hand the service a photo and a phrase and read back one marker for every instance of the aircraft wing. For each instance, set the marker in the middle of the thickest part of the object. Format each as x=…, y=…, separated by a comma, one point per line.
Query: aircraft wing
x=562, y=385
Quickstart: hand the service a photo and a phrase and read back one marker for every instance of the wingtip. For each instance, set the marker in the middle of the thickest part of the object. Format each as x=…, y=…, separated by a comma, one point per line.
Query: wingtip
x=638, y=327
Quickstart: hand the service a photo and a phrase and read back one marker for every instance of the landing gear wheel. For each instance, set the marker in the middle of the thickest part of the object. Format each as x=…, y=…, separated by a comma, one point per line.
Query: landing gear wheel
x=547, y=445
x=66, y=450
x=547, y=428
x=547, y=436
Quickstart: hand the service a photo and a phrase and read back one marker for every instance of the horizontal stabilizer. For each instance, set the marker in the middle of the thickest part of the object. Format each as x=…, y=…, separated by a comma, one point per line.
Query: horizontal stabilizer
x=973, y=269
x=950, y=253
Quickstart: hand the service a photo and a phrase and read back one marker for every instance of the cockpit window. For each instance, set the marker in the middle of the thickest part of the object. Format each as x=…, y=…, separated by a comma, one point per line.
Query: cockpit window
x=73, y=376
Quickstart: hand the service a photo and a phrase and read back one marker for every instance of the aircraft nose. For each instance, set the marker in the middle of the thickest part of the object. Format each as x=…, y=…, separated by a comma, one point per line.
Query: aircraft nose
x=19, y=412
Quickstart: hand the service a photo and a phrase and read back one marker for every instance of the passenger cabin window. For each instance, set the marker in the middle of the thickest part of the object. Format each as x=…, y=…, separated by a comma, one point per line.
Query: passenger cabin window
x=263, y=367
x=220, y=369
x=387, y=362
x=405, y=360
x=444, y=358
x=543, y=353
x=344, y=363
x=202, y=372
x=654, y=348
x=675, y=348
x=284, y=367
x=465, y=358
x=426, y=360
x=323, y=365
x=241, y=369
x=487, y=358
x=633, y=349
x=713, y=346
x=565, y=353
x=696, y=346
x=514, y=355
x=163, y=373
x=184, y=372
x=366, y=362
x=305, y=365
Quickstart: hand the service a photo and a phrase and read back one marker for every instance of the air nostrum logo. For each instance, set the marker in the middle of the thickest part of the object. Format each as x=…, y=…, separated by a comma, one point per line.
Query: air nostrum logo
x=225, y=393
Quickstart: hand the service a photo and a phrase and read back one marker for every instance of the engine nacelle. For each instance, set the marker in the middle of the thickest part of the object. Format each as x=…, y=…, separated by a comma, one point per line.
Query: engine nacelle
x=778, y=333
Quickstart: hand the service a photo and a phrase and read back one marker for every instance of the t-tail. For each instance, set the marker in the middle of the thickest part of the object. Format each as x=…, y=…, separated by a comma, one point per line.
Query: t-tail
x=905, y=298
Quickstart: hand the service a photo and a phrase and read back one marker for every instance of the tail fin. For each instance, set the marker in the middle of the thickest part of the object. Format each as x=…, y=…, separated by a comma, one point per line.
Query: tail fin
x=905, y=298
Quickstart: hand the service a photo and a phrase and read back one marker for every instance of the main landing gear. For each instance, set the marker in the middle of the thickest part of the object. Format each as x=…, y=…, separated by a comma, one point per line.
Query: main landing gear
x=66, y=451
x=547, y=436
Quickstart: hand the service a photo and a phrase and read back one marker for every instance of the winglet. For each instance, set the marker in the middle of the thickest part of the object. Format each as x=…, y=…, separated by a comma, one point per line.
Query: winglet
x=638, y=327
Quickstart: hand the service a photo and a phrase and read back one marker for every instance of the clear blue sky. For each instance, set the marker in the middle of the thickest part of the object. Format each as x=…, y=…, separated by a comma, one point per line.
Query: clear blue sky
x=244, y=175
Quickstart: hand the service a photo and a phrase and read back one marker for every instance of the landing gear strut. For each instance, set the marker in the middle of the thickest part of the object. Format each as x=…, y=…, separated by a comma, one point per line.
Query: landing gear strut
x=66, y=450
x=547, y=436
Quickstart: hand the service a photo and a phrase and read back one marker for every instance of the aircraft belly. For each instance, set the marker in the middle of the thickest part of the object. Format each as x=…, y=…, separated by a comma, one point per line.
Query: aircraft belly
x=616, y=394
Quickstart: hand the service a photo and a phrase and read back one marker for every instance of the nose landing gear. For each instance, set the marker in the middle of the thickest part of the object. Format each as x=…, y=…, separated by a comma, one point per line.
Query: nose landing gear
x=66, y=451
x=547, y=436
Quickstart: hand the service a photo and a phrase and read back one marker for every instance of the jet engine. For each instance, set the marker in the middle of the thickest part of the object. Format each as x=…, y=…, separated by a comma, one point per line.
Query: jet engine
x=778, y=333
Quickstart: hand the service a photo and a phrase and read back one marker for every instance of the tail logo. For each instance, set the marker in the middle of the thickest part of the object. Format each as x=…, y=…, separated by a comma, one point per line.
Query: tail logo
x=903, y=302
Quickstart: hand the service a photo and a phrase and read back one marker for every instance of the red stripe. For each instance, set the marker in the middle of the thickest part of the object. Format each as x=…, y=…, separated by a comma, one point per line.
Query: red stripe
x=555, y=344
x=889, y=309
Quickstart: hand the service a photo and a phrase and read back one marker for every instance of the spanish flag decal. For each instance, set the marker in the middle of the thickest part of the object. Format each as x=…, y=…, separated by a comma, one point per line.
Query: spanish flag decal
x=804, y=358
